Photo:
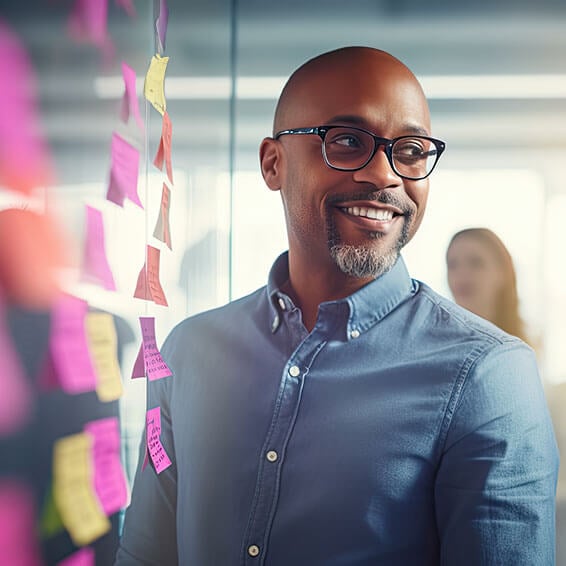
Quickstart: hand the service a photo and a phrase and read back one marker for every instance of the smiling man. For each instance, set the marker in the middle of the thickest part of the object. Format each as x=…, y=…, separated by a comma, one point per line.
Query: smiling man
x=346, y=414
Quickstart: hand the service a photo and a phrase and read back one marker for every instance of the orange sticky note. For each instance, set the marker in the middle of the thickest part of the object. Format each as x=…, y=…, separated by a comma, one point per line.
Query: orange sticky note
x=153, y=89
x=130, y=99
x=95, y=266
x=162, y=230
x=124, y=167
x=148, y=286
x=164, y=149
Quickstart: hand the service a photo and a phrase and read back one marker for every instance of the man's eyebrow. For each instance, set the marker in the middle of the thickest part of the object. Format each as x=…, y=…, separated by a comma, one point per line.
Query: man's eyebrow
x=359, y=121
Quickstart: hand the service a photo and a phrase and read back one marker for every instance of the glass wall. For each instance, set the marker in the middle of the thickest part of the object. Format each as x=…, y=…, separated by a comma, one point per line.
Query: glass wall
x=496, y=79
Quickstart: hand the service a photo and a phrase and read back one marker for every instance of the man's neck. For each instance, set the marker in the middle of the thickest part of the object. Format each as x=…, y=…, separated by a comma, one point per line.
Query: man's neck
x=312, y=285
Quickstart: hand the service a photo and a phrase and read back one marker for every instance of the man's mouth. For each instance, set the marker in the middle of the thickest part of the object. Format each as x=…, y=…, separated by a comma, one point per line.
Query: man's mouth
x=381, y=214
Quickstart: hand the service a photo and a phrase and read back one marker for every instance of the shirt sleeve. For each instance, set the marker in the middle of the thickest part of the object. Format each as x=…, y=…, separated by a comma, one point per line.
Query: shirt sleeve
x=149, y=536
x=496, y=483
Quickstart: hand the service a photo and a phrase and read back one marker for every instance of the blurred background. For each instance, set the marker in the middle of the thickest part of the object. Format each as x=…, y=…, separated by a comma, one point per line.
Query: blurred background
x=495, y=75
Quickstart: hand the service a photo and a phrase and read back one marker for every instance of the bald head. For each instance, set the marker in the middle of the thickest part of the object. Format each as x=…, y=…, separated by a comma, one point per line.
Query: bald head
x=326, y=74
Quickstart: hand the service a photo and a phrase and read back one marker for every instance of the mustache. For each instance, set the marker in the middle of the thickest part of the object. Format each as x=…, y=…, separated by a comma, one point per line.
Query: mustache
x=383, y=196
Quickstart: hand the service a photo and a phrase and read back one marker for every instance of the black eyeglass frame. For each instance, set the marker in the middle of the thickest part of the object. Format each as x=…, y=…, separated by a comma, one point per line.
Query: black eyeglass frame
x=387, y=144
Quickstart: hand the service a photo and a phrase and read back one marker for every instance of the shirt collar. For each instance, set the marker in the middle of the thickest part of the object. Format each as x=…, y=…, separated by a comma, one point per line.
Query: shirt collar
x=366, y=307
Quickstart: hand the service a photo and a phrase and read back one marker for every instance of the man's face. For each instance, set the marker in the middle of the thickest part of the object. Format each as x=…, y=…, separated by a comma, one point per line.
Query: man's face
x=359, y=220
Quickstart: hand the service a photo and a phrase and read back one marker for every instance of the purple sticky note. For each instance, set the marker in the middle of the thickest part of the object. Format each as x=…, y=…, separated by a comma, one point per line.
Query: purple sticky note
x=16, y=398
x=83, y=557
x=18, y=535
x=139, y=365
x=130, y=103
x=123, y=172
x=109, y=479
x=68, y=346
x=161, y=25
x=153, y=431
x=95, y=264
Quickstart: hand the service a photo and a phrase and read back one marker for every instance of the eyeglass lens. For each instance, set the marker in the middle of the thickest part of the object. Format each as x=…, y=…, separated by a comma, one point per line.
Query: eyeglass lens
x=412, y=157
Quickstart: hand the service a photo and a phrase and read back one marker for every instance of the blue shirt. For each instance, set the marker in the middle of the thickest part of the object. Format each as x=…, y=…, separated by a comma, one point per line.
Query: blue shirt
x=402, y=430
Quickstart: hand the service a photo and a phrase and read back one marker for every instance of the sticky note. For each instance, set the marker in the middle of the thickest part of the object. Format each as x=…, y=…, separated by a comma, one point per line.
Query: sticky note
x=95, y=265
x=154, y=83
x=130, y=103
x=153, y=432
x=109, y=478
x=149, y=361
x=16, y=398
x=25, y=159
x=103, y=346
x=75, y=498
x=164, y=149
x=83, y=557
x=123, y=183
x=148, y=286
x=161, y=25
x=69, y=354
x=18, y=539
x=162, y=229
x=88, y=22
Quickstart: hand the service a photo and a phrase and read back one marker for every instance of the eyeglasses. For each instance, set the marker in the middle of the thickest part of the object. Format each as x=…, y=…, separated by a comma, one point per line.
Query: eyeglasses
x=350, y=149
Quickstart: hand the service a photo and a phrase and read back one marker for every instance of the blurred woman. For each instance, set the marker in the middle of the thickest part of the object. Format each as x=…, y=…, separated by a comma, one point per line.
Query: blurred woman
x=481, y=277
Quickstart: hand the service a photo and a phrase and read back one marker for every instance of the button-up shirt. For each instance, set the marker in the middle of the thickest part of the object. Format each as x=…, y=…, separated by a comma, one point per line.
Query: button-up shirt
x=402, y=430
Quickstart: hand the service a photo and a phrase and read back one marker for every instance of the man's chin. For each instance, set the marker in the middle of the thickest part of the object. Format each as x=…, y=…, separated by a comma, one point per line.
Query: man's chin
x=362, y=261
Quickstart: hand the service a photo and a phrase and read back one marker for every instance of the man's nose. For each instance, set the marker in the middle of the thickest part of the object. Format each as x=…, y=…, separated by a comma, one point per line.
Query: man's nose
x=378, y=172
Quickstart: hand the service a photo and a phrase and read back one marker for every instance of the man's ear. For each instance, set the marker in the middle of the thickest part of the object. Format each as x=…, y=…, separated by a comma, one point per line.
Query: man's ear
x=270, y=160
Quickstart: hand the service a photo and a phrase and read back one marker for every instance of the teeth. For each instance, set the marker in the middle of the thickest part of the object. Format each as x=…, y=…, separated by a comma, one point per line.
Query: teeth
x=373, y=213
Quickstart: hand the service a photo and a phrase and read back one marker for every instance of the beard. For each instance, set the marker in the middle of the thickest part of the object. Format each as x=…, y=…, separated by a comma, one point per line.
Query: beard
x=364, y=261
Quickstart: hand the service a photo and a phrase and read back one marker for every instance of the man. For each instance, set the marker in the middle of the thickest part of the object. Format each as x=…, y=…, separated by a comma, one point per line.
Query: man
x=346, y=414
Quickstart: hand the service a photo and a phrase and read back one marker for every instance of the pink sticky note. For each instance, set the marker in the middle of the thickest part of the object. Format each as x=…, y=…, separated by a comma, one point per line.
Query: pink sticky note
x=88, y=23
x=16, y=398
x=18, y=538
x=161, y=25
x=83, y=557
x=155, y=366
x=153, y=431
x=162, y=229
x=123, y=172
x=68, y=346
x=95, y=264
x=25, y=162
x=164, y=149
x=148, y=286
x=109, y=479
x=130, y=103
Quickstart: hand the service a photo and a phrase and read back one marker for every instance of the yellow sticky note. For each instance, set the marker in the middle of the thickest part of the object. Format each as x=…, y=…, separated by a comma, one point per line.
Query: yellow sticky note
x=73, y=489
x=153, y=88
x=102, y=343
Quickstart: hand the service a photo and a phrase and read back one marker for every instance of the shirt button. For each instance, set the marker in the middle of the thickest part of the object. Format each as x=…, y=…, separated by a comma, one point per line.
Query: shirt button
x=355, y=334
x=253, y=550
x=275, y=323
x=271, y=456
x=294, y=371
x=282, y=304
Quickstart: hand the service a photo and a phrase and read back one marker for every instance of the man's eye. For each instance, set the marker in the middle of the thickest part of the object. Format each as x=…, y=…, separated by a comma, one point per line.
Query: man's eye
x=410, y=149
x=347, y=141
